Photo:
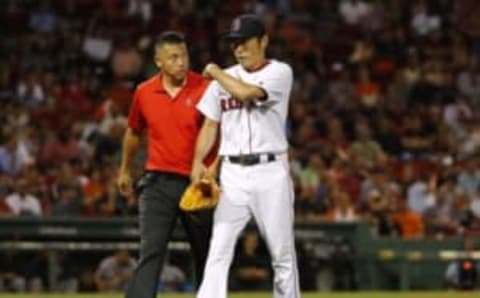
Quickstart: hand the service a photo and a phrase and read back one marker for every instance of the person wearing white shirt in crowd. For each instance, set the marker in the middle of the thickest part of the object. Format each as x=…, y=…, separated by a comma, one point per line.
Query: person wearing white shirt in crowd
x=21, y=202
x=352, y=11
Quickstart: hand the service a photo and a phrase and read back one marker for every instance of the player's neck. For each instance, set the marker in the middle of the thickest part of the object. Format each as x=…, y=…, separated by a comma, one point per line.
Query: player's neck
x=258, y=65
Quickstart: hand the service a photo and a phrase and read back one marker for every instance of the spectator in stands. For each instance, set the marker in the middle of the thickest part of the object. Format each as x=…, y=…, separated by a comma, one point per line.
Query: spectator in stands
x=376, y=178
x=173, y=278
x=60, y=148
x=365, y=151
x=30, y=92
x=408, y=223
x=312, y=199
x=469, y=176
x=470, y=144
x=342, y=209
x=6, y=85
x=422, y=21
x=22, y=201
x=126, y=60
x=387, y=137
x=97, y=200
x=20, y=272
x=367, y=90
x=340, y=87
x=421, y=194
x=86, y=282
x=454, y=113
x=114, y=271
x=378, y=212
x=43, y=19
x=67, y=192
x=97, y=45
x=11, y=277
x=343, y=174
x=14, y=154
x=445, y=216
x=336, y=138
x=468, y=81
x=363, y=52
x=354, y=11
x=464, y=273
x=67, y=202
x=142, y=8
x=252, y=269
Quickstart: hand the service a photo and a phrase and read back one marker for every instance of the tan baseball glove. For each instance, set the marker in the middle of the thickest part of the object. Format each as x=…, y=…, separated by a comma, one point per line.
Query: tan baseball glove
x=200, y=196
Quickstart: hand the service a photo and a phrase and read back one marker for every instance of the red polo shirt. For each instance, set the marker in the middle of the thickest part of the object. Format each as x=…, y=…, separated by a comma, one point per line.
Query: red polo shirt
x=172, y=123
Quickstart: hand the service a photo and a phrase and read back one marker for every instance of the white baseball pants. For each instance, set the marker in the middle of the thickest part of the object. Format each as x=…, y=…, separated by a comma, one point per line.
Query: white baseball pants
x=265, y=192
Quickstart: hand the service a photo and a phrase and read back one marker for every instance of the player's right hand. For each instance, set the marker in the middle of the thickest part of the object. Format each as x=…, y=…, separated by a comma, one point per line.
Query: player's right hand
x=124, y=183
x=207, y=71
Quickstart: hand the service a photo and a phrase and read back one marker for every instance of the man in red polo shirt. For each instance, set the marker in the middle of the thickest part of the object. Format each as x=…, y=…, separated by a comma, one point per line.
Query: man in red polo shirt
x=165, y=107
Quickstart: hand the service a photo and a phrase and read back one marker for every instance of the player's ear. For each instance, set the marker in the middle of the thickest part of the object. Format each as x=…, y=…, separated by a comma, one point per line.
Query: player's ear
x=156, y=58
x=157, y=61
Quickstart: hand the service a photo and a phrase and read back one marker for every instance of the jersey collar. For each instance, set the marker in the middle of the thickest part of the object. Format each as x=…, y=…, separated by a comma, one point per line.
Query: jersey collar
x=259, y=67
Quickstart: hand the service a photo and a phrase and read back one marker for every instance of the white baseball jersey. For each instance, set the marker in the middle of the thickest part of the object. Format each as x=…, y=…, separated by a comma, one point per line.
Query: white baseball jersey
x=258, y=127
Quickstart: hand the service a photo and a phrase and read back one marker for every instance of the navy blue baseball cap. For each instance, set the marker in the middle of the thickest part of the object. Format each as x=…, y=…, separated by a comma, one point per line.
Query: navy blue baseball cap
x=245, y=26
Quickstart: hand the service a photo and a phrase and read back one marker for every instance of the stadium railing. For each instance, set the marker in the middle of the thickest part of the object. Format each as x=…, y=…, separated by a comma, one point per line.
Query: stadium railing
x=380, y=263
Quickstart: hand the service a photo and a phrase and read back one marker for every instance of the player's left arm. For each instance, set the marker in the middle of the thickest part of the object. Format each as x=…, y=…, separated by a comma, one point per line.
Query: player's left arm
x=240, y=90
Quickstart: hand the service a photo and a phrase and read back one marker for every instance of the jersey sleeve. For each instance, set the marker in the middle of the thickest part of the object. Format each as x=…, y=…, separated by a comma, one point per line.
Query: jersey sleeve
x=209, y=104
x=276, y=84
x=136, y=121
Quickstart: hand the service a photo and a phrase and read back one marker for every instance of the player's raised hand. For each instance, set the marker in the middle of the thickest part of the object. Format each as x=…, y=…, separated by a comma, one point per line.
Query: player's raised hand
x=207, y=71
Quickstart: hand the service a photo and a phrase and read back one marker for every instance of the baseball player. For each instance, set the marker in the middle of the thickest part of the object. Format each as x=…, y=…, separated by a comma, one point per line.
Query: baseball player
x=250, y=100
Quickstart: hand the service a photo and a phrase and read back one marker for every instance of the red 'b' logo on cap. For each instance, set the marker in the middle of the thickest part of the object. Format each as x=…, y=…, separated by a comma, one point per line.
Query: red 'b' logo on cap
x=235, y=25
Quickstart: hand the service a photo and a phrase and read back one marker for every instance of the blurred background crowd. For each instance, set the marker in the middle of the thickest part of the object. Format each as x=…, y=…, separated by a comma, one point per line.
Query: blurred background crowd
x=384, y=118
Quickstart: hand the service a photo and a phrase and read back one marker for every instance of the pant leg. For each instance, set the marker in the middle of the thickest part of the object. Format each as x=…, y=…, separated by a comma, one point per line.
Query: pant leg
x=158, y=203
x=198, y=226
x=229, y=221
x=273, y=213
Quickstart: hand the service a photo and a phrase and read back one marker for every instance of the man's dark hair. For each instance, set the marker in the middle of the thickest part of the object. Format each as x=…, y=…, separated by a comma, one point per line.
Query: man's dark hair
x=169, y=37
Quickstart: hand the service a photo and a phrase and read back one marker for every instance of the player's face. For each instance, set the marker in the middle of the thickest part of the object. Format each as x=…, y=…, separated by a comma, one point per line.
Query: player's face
x=250, y=53
x=173, y=60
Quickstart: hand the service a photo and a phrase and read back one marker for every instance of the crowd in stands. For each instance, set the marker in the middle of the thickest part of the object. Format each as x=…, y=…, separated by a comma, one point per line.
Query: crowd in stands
x=384, y=121
x=384, y=118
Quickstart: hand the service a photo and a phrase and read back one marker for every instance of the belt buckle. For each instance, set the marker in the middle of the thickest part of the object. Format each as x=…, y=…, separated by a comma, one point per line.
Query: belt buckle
x=246, y=159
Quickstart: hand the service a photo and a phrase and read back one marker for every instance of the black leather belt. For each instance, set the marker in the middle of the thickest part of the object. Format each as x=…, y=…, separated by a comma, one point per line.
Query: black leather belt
x=168, y=175
x=251, y=159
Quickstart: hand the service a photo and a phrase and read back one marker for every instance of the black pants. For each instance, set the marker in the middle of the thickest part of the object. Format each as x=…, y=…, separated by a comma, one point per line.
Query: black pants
x=159, y=195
